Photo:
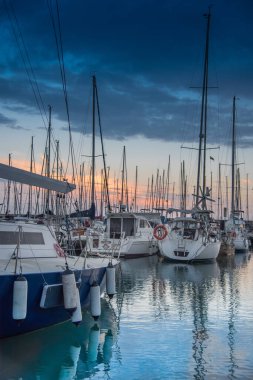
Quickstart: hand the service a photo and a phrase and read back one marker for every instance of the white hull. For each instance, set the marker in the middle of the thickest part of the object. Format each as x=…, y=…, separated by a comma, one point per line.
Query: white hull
x=235, y=228
x=241, y=244
x=138, y=247
x=129, y=247
x=185, y=250
x=126, y=235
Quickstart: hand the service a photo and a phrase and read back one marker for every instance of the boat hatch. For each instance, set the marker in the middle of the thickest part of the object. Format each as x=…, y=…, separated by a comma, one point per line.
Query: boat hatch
x=12, y=238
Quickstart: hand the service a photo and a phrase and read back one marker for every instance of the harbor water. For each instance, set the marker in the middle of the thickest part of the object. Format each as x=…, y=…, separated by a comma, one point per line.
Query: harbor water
x=167, y=321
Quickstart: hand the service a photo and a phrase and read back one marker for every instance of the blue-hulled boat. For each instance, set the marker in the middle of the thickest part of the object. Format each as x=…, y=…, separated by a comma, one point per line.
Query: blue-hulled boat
x=32, y=267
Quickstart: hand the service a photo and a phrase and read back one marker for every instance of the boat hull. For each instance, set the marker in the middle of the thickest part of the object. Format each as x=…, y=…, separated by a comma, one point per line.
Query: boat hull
x=38, y=317
x=134, y=248
x=189, y=250
x=241, y=245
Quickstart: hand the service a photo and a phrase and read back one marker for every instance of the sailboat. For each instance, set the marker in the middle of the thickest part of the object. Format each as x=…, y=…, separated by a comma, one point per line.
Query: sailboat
x=194, y=236
x=235, y=226
x=124, y=234
x=40, y=284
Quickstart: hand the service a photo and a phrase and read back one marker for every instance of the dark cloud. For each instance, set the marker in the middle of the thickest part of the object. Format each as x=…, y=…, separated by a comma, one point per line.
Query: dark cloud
x=10, y=123
x=146, y=55
x=5, y=120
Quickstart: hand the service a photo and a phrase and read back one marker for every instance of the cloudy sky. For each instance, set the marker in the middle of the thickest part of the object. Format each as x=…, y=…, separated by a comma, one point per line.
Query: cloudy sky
x=147, y=56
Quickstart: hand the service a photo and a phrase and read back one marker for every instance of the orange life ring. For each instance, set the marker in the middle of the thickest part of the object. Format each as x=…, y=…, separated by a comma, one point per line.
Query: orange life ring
x=160, y=232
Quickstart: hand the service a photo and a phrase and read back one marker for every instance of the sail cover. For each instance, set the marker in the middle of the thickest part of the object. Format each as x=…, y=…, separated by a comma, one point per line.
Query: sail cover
x=32, y=179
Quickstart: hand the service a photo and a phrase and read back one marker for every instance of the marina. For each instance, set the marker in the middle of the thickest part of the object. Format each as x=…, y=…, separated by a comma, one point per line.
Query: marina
x=126, y=203
x=167, y=320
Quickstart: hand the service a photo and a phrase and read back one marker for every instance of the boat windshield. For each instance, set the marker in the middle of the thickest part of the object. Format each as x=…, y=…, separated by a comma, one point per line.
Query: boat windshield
x=185, y=224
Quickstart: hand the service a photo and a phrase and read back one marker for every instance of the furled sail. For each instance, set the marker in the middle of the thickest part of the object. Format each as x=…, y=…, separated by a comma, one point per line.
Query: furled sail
x=22, y=176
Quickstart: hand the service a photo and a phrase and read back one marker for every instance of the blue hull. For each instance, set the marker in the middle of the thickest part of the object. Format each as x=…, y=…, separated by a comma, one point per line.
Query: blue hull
x=38, y=317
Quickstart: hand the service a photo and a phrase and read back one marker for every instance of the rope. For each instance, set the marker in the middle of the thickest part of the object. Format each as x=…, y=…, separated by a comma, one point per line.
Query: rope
x=58, y=39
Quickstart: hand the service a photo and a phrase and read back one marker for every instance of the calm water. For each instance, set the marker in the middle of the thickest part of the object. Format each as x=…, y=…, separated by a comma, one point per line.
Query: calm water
x=168, y=321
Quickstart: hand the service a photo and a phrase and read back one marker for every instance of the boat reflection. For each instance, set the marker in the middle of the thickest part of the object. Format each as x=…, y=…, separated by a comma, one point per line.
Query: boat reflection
x=62, y=351
x=197, y=286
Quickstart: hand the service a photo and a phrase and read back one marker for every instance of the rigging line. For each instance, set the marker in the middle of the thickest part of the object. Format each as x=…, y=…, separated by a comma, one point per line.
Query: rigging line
x=23, y=57
x=28, y=60
x=59, y=46
x=62, y=57
x=74, y=166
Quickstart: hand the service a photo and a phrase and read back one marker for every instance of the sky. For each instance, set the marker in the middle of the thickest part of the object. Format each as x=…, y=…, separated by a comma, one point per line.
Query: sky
x=147, y=57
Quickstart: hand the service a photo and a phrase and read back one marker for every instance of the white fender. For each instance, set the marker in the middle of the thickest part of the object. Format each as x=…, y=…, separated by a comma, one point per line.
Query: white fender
x=20, y=293
x=77, y=317
x=110, y=280
x=69, y=290
x=95, y=304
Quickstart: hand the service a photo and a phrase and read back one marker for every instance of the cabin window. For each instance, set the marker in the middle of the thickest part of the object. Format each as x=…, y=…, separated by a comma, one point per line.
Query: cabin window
x=11, y=238
x=143, y=223
x=189, y=233
x=115, y=228
x=128, y=226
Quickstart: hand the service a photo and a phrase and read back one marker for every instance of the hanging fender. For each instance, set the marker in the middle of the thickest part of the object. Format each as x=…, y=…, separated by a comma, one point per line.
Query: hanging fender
x=20, y=294
x=160, y=232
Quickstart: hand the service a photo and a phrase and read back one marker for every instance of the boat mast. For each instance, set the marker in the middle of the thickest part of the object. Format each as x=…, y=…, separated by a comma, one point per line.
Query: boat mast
x=92, y=216
x=106, y=174
x=30, y=187
x=8, y=190
x=203, y=122
x=48, y=156
x=135, y=188
x=233, y=161
x=247, y=198
x=122, y=180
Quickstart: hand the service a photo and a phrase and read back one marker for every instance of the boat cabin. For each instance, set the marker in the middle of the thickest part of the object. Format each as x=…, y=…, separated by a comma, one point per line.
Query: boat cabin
x=125, y=224
x=185, y=227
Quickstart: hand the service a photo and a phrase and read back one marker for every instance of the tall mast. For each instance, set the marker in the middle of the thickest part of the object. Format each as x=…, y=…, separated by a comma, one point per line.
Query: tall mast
x=135, y=188
x=219, y=194
x=168, y=184
x=57, y=159
x=30, y=187
x=93, y=149
x=233, y=161
x=8, y=190
x=48, y=156
x=203, y=120
x=122, y=178
x=106, y=174
x=247, y=198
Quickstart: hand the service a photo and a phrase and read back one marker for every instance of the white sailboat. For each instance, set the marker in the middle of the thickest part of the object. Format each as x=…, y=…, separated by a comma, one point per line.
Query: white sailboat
x=127, y=235
x=235, y=226
x=194, y=237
